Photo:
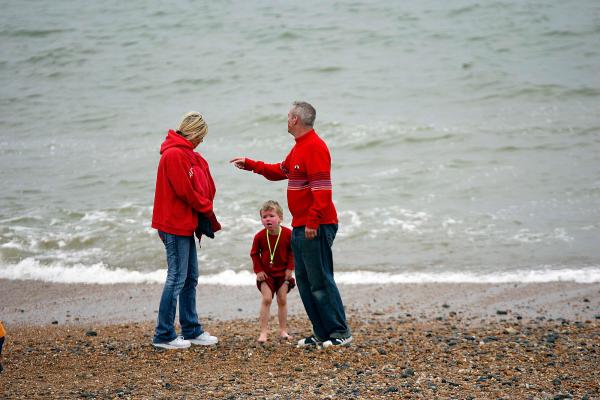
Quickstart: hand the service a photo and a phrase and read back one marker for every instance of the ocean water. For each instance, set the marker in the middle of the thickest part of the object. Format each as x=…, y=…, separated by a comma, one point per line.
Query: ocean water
x=465, y=136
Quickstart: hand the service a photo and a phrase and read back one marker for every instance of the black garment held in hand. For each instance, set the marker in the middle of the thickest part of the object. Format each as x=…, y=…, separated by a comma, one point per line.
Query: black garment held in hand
x=204, y=227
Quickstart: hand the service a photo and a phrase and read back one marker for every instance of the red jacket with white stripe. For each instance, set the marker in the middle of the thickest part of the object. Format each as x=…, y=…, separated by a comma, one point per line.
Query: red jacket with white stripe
x=308, y=170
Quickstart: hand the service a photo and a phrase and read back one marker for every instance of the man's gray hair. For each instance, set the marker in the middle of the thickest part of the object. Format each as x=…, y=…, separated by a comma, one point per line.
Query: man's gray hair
x=305, y=112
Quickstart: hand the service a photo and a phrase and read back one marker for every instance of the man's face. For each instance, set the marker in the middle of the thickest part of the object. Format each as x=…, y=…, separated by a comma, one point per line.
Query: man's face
x=292, y=120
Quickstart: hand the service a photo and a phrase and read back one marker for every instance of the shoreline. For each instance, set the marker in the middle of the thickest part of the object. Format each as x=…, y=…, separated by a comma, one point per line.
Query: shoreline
x=42, y=303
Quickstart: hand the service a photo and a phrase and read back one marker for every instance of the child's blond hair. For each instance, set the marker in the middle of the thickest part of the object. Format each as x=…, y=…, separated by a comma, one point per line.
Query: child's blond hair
x=272, y=205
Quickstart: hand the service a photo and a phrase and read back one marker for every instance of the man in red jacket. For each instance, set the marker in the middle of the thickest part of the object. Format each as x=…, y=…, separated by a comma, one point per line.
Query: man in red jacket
x=184, y=193
x=307, y=168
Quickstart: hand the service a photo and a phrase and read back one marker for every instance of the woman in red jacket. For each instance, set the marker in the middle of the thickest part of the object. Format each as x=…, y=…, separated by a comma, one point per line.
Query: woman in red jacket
x=184, y=194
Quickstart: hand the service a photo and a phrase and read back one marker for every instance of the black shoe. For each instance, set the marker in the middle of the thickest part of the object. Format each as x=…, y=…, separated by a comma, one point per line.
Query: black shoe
x=309, y=342
x=338, y=342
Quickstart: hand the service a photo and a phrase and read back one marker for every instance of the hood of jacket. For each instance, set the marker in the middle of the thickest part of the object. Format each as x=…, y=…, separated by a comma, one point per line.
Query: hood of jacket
x=175, y=140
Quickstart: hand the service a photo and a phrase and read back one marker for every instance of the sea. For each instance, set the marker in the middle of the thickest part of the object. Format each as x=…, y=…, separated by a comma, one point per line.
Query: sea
x=465, y=135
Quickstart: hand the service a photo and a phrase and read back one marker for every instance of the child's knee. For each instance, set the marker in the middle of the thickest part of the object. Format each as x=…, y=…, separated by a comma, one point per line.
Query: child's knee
x=267, y=300
x=281, y=299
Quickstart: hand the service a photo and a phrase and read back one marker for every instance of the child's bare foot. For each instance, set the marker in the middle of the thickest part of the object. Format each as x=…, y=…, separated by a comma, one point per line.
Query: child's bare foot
x=284, y=336
x=262, y=338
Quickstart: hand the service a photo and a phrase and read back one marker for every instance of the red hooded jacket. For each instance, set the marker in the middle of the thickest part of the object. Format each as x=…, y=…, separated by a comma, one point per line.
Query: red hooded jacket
x=184, y=188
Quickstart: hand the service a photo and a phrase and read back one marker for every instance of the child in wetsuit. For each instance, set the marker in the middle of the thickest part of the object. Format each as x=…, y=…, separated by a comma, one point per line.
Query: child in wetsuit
x=273, y=263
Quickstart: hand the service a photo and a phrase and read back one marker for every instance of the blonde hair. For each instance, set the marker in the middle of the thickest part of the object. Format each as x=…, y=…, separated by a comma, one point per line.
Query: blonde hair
x=193, y=127
x=272, y=205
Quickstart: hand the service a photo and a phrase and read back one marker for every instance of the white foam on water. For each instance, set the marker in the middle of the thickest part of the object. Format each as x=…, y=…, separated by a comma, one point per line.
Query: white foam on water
x=561, y=234
x=407, y=220
x=12, y=245
x=31, y=269
x=350, y=223
x=525, y=236
x=586, y=275
x=98, y=216
x=558, y=234
x=389, y=219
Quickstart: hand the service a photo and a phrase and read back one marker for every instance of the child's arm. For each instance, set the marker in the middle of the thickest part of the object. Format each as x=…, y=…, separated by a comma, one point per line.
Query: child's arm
x=255, y=254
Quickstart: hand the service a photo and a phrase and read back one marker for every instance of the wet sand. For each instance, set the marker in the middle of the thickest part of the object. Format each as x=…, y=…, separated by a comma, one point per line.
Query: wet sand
x=425, y=341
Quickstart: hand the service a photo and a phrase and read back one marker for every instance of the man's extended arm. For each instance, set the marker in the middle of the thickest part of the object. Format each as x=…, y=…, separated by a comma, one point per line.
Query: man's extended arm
x=273, y=172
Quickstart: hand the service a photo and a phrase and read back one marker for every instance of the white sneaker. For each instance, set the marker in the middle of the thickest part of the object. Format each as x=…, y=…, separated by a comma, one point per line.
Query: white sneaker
x=178, y=343
x=338, y=342
x=204, y=340
x=310, y=341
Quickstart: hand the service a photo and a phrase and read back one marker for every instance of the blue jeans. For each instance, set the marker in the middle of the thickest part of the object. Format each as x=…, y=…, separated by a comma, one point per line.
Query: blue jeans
x=182, y=278
x=314, y=278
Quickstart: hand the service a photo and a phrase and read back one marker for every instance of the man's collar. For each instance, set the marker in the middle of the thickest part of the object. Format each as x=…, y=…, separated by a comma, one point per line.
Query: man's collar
x=305, y=135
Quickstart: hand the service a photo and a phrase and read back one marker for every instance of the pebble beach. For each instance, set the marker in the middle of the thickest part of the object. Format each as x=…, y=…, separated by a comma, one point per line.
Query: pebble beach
x=461, y=341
